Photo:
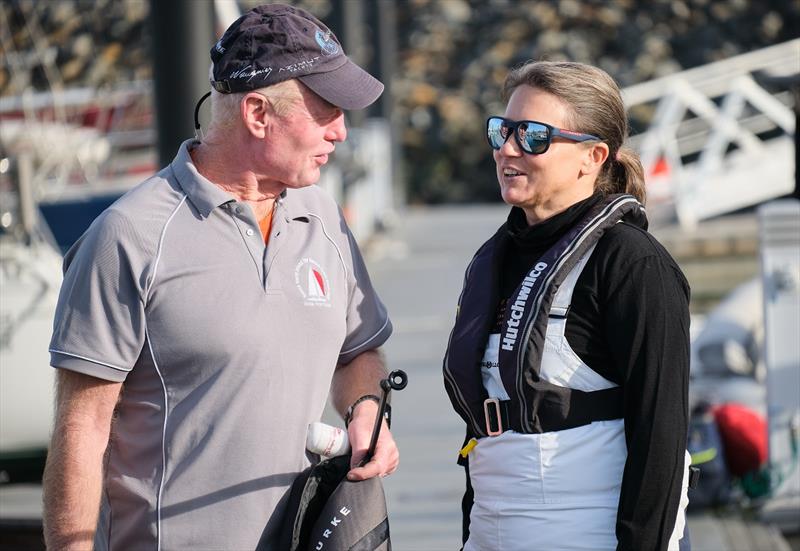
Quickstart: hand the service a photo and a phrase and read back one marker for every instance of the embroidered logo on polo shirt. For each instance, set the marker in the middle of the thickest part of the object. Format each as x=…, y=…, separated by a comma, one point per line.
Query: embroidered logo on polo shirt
x=312, y=282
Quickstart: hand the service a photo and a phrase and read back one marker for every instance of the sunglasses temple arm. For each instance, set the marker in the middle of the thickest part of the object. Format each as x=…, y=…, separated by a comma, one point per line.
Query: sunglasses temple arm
x=574, y=136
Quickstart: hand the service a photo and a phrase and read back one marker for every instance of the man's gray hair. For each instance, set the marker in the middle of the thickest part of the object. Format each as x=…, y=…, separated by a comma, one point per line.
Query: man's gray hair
x=225, y=108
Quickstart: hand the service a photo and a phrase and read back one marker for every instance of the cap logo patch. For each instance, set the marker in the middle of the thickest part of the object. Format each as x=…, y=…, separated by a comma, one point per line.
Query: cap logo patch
x=329, y=47
x=249, y=73
x=313, y=283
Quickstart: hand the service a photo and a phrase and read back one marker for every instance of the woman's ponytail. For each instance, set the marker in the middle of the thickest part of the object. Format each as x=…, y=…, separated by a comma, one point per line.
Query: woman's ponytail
x=625, y=175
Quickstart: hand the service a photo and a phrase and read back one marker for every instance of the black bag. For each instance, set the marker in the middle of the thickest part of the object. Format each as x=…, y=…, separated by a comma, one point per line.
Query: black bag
x=705, y=446
x=327, y=512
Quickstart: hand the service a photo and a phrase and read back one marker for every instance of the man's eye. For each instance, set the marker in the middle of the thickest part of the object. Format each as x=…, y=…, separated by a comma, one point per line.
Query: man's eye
x=329, y=114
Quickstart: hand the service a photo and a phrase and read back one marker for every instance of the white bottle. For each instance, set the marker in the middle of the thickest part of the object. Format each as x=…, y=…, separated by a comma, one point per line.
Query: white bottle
x=327, y=440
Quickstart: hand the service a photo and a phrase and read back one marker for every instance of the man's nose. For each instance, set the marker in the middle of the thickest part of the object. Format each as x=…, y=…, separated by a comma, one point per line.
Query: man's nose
x=337, y=131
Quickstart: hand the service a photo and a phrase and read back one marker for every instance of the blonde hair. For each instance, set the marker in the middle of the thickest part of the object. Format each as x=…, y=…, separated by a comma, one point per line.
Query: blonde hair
x=595, y=107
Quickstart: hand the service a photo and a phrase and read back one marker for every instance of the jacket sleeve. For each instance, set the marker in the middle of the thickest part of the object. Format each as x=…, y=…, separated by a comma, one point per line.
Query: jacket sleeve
x=647, y=327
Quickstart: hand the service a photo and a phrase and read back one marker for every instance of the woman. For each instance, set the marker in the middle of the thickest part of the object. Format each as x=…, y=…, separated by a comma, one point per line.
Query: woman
x=569, y=359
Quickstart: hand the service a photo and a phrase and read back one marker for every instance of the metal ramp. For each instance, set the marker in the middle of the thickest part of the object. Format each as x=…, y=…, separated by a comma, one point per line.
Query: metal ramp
x=718, y=139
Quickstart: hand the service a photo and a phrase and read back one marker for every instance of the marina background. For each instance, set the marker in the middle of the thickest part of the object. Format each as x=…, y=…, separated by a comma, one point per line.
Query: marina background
x=95, y=95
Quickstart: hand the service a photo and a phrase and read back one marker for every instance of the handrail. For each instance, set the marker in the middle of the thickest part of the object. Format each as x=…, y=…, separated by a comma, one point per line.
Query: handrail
x=713, y=78
x=714, y=131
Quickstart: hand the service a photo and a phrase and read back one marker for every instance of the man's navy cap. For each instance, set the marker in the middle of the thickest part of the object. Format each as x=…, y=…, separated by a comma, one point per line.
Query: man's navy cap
x=275, y=42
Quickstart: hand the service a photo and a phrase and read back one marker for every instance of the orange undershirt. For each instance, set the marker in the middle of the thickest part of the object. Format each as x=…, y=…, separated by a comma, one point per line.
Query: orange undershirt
x=265, y=225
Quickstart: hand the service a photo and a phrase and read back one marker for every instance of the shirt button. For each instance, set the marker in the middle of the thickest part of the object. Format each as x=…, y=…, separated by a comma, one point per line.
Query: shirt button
x=250, y=232
x=238, y=210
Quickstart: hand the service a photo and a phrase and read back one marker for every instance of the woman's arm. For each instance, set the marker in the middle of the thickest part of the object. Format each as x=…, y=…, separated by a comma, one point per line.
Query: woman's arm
x=647, y=326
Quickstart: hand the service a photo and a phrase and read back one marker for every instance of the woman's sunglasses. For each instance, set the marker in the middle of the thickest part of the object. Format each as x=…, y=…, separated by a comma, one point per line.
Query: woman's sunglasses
x=532, y=137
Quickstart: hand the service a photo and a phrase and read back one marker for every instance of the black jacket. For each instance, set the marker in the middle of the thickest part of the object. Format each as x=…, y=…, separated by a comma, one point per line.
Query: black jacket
x=629, y=322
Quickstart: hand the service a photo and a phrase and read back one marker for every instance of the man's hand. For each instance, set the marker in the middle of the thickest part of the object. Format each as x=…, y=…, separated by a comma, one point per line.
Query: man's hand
x=358, y=378
x=386, y=458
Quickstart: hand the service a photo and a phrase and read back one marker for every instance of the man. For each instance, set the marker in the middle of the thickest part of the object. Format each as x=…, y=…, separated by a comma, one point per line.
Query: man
x=210, y=310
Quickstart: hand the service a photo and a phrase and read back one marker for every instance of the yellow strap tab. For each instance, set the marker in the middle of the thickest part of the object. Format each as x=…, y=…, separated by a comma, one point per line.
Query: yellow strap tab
x=704, y=456
x=468, y=447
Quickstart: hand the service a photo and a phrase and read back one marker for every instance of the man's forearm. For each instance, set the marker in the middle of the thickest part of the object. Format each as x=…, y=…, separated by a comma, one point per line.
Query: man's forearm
x=361, y=376
x=73, y=476
x=72, y=485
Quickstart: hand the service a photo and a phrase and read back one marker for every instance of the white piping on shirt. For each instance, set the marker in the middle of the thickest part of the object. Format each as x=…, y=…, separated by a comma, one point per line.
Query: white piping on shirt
x=160, y=246
x=161, y=377
x=338, y=251
x=89, y=360
x=163, y=443
x=363, y=344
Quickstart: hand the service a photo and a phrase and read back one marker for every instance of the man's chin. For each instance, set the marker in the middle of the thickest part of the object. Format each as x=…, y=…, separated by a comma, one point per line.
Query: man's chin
x=304, y=183
x=304, y=179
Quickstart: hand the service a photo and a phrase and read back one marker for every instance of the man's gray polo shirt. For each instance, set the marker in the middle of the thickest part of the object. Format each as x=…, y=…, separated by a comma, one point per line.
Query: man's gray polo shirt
x=226, y=349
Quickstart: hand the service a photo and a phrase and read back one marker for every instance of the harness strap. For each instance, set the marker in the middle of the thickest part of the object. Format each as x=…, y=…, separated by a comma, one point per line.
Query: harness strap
x=561, y=409
x=536, y=405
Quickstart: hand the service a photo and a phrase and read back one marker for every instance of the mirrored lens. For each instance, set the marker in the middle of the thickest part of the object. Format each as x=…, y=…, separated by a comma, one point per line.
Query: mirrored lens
x=533, y=136
x=496, y=132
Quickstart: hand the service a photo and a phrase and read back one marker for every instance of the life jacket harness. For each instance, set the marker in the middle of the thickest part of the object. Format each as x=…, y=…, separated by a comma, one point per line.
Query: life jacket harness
x=535, y=405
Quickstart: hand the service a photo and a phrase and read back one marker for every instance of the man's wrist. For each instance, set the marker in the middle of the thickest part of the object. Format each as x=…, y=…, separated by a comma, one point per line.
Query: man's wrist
x=348, y=415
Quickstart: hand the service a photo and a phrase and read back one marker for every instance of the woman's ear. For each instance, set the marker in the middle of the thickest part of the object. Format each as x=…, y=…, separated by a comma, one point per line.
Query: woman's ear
x=254, y=112
x=596, y=155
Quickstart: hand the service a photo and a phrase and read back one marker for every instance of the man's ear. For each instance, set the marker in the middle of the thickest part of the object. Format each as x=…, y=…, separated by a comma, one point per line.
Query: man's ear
x=596, y=155
x=255, y=114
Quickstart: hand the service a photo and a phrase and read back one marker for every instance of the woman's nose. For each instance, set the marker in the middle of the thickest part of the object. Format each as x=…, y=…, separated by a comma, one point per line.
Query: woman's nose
x=510, y=148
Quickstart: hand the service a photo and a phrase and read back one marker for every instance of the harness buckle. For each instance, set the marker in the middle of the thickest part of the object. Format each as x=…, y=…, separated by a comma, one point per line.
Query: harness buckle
x=492, y=416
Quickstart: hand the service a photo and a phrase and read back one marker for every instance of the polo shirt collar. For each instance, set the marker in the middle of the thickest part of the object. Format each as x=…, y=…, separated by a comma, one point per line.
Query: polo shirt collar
x=292, y=207
x=203, y=194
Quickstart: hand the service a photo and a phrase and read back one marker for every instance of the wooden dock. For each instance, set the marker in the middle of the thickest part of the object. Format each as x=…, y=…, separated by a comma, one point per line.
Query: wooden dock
x=711, y=531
